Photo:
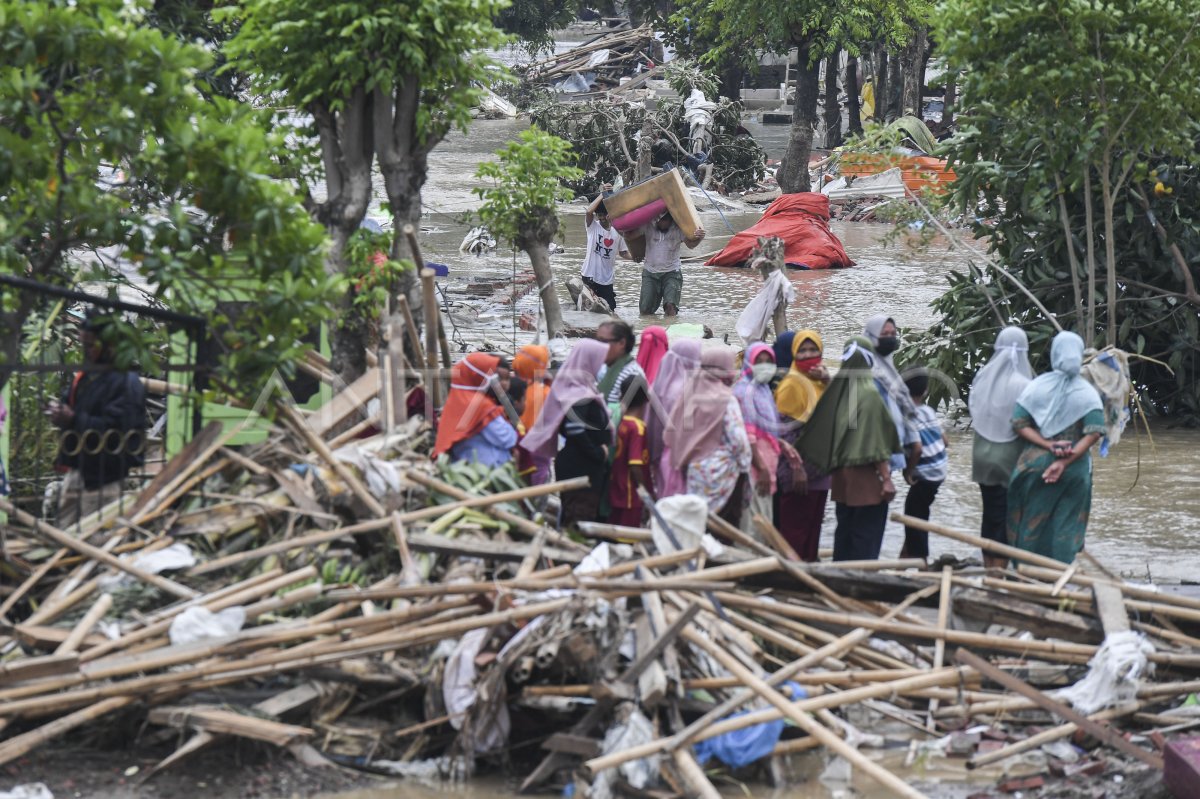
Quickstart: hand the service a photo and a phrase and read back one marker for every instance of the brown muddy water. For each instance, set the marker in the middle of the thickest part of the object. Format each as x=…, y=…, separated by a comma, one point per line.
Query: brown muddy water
x=1146, y=506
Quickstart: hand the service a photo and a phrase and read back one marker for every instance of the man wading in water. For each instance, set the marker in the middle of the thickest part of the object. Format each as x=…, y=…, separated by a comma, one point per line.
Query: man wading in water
x=604, y=244
x=662, y=271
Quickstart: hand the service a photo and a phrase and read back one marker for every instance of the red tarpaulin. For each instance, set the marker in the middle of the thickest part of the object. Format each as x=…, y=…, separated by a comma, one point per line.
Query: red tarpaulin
x=802, y=221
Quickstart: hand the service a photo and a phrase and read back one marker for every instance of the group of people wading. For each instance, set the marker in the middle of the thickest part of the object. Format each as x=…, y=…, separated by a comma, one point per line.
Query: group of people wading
x=771, y=431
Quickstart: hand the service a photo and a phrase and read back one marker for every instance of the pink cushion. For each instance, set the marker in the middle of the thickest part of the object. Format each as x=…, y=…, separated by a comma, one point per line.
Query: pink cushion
x=640, y=216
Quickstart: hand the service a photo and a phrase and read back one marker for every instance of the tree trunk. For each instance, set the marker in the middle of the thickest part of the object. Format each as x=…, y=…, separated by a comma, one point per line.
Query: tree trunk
x=914, y=72
x=534, y=236
x=348, y=151
x=833, y=109
x=404, y=164
x=645, y=152
x=894, y=87
x=1110, y=248
x=949, y=99
x=349, y=333
x=853, y=102
x=731, y=82
x=1090, y=222
x=793, y=172
x=881, y=83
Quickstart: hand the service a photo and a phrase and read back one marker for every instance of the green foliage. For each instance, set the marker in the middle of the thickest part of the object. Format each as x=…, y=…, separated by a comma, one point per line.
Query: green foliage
x=733, y=30
x=597, y=130
x=1155, y=320
x=535, y=21
x=684, y=75
x=1087, y=98
x=371, y=272
x=527, y=183
x=324, y=51
x=108, y=142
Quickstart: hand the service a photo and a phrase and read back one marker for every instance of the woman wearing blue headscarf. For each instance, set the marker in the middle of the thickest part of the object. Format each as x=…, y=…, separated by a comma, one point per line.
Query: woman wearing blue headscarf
x=1060, y=417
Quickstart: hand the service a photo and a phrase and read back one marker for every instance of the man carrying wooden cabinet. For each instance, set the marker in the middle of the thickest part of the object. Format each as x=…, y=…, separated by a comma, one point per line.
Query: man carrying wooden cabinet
x=604, y=244
x=662, y=271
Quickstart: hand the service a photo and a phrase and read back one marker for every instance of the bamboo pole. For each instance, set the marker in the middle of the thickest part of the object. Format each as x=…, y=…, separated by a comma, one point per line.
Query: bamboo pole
x=343, y=472
x=90, y=619
x=1105, y=734
x=987, y=545
x=1047, y=736
x=894, y=784
x=905, y=686
x=524, y=525
x=939, y=647
x=376, y=525
x=792, y=671
x=275, y=662
x=430, y=308
x=95, y=553
x=414, y=336
x=35, y=576
x=216, y=603
x=1078, y=653
x=24, y=743
x=1010, y=704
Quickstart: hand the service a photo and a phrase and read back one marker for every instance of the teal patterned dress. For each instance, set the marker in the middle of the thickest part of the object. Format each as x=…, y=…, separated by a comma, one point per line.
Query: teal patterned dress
x=1051, y=518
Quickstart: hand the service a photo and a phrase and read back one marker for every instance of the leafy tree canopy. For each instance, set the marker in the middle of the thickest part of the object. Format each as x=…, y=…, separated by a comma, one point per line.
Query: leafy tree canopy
x=109, y=143
x=528, y=178
x=1079, y=136
x=324, y=51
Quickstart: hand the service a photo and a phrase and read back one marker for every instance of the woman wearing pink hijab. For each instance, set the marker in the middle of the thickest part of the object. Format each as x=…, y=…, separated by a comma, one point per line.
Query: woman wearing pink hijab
x=651, y=351
x=575, y=410
x=677, y=366
x=707, y=437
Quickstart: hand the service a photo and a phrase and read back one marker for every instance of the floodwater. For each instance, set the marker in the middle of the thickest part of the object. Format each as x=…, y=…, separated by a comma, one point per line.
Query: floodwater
x=1146, y=503
x=1146, y=506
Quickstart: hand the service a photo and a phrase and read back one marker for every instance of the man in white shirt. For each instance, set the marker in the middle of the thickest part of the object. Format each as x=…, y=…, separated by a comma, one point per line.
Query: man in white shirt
x=662, y=271
x=604, y=243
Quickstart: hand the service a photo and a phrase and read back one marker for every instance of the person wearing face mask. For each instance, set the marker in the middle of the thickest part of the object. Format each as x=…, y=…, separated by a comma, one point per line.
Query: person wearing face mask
x=753, y=393
x=707, y=436
x=803, y=490
x=576, y=413
x=1060, y=416
x=885, y=337
x=472, y=426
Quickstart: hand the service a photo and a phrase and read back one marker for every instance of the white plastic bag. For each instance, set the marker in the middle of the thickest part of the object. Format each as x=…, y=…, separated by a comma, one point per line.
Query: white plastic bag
x=172, y=558
x=687, y=516
x=199, y=624
x=1113, y=673
x=752, y=324
x=633, y=731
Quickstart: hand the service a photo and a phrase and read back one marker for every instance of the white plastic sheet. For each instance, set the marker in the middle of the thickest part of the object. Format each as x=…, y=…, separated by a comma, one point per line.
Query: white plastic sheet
x=687, y=516
x=460, y=694
x=752, y=324
x=634, y=730
x=172, y=558
x=1113, y=673
x=199, y=624
x=33, y=790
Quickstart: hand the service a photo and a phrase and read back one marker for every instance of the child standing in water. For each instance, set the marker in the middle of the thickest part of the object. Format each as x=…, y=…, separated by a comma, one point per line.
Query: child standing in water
x=926, y=476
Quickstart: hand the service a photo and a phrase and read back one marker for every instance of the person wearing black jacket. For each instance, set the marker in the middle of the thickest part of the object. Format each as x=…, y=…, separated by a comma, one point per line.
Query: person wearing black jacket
x=102, y=417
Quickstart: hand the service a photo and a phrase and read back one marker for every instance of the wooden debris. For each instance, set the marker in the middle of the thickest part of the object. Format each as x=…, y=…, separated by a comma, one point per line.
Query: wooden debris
x=361, y=606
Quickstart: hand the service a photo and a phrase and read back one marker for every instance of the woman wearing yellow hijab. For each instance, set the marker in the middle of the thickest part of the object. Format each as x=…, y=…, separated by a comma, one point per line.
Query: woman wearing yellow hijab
x=803, y=492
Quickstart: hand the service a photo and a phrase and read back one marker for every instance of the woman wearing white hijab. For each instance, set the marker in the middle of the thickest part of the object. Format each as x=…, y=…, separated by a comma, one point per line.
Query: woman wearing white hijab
x=1060, y=416
x=994, y=393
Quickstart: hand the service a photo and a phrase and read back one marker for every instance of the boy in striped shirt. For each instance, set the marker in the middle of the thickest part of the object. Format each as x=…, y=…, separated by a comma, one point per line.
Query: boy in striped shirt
x=925, y=476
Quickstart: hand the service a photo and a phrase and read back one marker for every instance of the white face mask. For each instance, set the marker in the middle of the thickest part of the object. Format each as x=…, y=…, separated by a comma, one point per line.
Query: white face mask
x=763, y=372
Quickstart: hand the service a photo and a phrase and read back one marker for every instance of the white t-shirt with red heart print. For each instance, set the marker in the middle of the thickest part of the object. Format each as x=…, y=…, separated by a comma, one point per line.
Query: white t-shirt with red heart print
x=603, y=247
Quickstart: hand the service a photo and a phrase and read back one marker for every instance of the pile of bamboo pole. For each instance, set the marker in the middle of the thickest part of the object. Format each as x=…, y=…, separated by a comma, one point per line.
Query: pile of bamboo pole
x=422, y=620
x=610, y=56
